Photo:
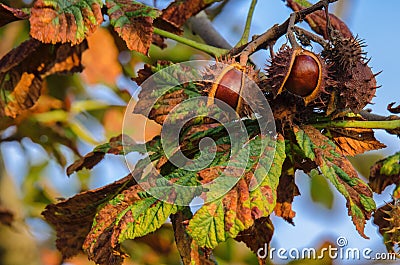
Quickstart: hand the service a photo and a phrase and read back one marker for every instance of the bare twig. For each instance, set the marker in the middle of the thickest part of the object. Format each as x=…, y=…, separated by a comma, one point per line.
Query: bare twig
x=276, y=32
x=202, y=26
x=311, y=36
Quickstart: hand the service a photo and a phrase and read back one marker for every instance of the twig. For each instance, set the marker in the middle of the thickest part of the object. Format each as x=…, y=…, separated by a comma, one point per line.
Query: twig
x=311, y=36
x=385, y=124
x=276, y=32
x=202, y=26
x=211, y=50
x=245, y=37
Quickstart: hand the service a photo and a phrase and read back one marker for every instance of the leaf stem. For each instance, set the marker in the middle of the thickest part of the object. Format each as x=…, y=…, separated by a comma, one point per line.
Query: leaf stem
x=387, y=125
x=246, y=33
x=211, y=50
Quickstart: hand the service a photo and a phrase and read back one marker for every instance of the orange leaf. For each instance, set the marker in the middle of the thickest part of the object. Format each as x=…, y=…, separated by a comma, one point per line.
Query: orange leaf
x=57, y=21
x=354, y=141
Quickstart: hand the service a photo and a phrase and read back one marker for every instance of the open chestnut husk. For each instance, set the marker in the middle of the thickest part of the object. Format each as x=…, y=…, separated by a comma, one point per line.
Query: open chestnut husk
x=299, y=71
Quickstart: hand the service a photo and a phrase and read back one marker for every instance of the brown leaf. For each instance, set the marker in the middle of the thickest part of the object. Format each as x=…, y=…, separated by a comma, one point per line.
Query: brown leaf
x=101, y=60
x=24, y=96
x=287, y=190
x=379, y=179
x=6, y=216
x=114, y=146
x=179, y=11
x=73, y=218
x=88, y=161
x=59, y=22
x=23, y=69
x=136, y=30
x=395, y=110
x=317, y=21
x=354, y=141
x=101, y=243
x=258, y=235
x=9, y=14
x=193, y=254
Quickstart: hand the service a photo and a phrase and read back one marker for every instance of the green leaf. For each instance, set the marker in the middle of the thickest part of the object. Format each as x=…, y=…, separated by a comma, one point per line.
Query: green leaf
x=54, y=21
x=144, y=217
x=236, y=211
x=134, y=23
x=339, y=171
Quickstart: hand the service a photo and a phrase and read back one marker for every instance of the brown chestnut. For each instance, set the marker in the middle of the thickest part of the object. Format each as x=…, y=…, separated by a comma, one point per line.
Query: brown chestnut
x=303, y=77
x=227, y=87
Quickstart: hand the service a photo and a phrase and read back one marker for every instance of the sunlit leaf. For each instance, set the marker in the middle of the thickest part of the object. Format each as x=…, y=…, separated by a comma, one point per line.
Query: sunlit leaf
x=354, y=141
x=134, y=23
x=62, y=21
x=334, y=166
x=236, y=211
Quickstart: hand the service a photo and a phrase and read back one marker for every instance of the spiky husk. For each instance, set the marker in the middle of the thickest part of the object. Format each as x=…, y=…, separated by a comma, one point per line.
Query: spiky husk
x=388, y=220
x=279, y=70
x=344, y=53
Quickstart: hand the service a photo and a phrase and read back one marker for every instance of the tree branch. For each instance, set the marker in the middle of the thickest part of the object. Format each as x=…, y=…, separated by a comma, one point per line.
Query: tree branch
x=202, y=26
x=276, y=32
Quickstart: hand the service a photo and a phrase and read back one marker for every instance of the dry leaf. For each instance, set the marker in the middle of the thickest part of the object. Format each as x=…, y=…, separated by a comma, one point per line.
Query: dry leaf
x=65, y=21
x=354, y=141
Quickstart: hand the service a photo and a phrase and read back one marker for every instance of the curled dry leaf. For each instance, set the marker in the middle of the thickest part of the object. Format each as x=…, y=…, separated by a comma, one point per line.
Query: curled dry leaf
x=354, y=141
x=9, y=14
x=385, y=173
x=258, y=235
x=62, y=21
x=114, y=146
x=73, y=218
x=287, y=190
x=23, y=69
x=395, y=110
x=179, y=11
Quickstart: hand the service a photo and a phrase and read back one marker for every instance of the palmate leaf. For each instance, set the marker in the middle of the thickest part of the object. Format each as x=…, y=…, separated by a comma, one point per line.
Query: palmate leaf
x=179, y=11
x=126, y=216
x=134, y=23
x=339, y=171
x=385, y=172
x=236, y=211
x=62, y=21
